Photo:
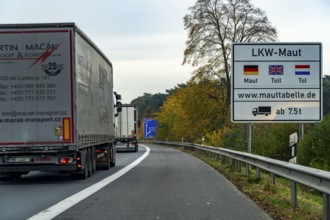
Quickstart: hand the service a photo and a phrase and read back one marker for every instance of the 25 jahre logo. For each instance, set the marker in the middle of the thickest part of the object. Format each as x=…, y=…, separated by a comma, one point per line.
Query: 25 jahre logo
x=52, y=69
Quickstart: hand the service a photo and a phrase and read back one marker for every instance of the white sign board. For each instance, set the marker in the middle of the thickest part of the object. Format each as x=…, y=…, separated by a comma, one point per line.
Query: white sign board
x=293, y=138
x=276, y=82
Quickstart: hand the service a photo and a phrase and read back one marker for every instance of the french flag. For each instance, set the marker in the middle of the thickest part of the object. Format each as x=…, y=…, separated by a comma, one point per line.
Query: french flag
x=302, y=69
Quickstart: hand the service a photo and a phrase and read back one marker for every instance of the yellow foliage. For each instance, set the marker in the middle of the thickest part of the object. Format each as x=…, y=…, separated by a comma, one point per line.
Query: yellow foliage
x=191, y=113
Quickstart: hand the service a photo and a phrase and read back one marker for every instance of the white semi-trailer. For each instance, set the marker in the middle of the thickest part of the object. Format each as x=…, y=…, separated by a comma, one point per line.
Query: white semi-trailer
x=57, y=103
x=126, y=128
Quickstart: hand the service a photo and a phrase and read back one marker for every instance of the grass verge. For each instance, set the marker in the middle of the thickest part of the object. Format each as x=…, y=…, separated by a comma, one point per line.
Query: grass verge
x=273, y=199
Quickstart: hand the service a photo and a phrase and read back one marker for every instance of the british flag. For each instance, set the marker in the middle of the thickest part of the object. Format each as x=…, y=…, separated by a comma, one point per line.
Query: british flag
x=276, y=70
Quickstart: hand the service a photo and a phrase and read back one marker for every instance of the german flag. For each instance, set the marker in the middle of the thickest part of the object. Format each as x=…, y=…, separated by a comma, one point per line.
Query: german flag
x=250, y=70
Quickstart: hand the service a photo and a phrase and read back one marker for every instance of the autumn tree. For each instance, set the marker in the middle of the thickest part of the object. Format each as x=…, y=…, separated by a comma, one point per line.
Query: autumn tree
x=148, y=104
x=190, y=112
x=213, y=25
x=171, y=118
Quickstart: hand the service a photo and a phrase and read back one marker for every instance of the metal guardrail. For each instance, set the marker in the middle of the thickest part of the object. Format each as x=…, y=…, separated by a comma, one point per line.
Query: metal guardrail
x=310, y=177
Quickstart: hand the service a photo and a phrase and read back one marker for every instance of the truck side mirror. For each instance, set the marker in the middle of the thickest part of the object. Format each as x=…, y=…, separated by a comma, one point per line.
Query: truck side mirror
x=119, y=106
x=117, y=96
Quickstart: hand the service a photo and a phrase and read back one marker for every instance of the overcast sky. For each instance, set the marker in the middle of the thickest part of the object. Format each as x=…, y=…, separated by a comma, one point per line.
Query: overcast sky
x=145, y=39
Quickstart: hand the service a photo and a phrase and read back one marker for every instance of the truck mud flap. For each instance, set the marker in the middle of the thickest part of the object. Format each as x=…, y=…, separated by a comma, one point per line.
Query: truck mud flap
x=85, y=164
x=103, y=157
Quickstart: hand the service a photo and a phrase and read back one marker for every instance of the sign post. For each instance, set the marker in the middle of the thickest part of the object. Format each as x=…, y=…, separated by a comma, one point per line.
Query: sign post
x=277, y=82
x=293, y=147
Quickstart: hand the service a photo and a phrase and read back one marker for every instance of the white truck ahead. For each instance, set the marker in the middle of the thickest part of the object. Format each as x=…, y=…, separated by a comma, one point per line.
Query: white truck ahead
x=126, y=128
x=57, y=102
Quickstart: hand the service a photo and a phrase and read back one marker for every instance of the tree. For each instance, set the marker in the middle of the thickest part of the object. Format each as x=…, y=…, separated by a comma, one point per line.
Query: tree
x=149, y=104
x=326, y=94
x=171, y=119
x=189, y=113
x=272, y=140
x=314, y=149
x=212, y=26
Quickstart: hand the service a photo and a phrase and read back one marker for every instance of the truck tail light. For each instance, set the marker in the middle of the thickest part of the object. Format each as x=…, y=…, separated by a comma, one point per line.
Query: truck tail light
x=66, y=160
x=78, y=162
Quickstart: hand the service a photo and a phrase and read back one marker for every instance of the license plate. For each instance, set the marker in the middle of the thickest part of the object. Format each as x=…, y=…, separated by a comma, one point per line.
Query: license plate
x=44, y=159
x=19, y=160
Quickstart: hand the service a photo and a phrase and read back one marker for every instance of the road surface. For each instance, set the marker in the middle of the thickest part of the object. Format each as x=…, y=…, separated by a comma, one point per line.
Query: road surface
x=166, y=184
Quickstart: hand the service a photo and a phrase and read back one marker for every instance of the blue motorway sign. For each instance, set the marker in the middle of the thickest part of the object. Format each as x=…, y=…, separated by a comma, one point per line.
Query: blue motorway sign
x=150, y=128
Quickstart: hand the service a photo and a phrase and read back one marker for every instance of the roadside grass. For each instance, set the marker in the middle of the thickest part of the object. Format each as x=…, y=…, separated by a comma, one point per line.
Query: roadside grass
x=274, y=199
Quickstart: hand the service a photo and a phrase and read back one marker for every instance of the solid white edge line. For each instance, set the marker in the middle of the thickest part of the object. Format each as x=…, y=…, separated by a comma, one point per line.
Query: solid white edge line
x=67, y=203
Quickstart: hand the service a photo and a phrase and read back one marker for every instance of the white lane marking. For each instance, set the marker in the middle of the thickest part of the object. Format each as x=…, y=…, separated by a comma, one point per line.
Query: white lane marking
x=67, y=203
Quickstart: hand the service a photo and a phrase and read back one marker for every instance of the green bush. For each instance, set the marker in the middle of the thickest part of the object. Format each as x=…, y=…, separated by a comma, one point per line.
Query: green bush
x=314, y=150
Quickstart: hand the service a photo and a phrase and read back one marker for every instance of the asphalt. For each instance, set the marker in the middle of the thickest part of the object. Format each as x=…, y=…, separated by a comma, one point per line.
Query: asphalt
x=168, y=184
